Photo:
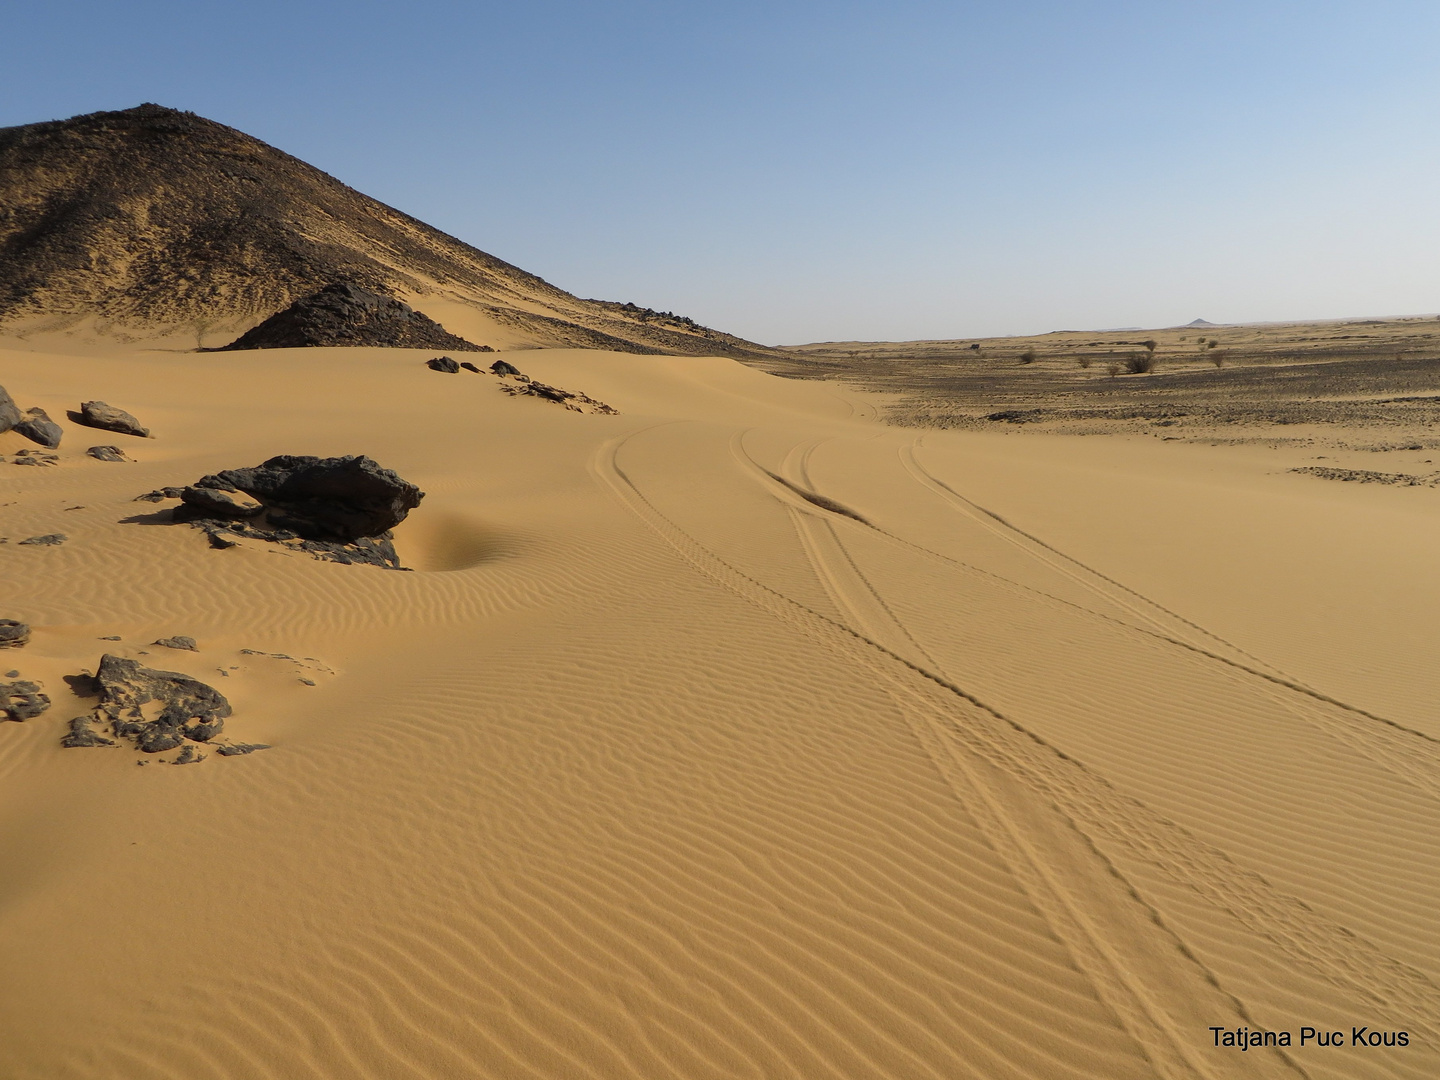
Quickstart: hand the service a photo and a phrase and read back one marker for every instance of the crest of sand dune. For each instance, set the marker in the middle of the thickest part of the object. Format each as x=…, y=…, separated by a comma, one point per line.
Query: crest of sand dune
x=735, y=735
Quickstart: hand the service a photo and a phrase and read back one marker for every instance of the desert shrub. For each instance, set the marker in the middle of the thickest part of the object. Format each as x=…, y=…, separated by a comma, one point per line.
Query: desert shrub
x=1212, y=344
x=1140, y=363
x=1112, y=369
x=1218, y=358
x=1083, y=361
x=1150, y=345
x=1028, y=356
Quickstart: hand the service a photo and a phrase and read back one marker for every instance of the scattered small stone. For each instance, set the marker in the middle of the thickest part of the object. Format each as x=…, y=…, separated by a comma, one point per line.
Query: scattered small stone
x=308, y=682
x=13, y=634
x=112, y=637
x=179, y=641
x=443, y=363
x=20, y=701
x=468, y=366
x=48, y=540
x=236, y=749
x=36, y=457
x=97, y=414
x=218, y=539
x=107, y=453
x=187, y=756
x=39, y=428
x=12, y=674
x=82, y=734
x=74, y=508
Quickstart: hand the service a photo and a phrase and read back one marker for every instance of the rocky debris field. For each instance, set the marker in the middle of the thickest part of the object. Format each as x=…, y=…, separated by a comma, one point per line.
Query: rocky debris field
x=346, y=314
x=339, y=509
x=520, y=385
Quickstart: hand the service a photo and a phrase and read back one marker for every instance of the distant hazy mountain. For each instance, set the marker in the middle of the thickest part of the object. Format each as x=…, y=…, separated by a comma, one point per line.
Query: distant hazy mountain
x=151, y=222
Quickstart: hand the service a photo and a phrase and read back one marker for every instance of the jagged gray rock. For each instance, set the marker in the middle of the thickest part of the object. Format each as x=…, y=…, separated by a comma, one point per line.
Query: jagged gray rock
x=9, y=411
x=82, y=734
x=443, y=363
x=179, y=641
x=189, y=709
x=13, y=634
x=107, y=453
x=48, y=540
x=97, y=414
x=39, y=428
x=22, y=700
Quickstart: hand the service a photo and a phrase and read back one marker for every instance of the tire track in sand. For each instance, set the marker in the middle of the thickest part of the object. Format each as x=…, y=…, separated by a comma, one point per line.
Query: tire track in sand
x=1112, y=958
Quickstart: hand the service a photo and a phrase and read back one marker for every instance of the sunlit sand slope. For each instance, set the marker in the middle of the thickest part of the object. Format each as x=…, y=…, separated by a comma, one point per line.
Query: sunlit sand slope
x=733, y=736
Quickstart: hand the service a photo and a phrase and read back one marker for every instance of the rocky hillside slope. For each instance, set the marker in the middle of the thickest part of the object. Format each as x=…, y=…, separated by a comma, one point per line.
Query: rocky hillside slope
x=151, y=222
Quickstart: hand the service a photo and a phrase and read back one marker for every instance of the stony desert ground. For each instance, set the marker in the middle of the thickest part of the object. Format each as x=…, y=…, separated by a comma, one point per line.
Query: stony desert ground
x=740, y=734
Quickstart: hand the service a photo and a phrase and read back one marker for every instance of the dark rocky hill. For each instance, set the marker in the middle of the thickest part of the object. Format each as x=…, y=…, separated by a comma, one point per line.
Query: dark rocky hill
x=150, y=220
x=345, y=314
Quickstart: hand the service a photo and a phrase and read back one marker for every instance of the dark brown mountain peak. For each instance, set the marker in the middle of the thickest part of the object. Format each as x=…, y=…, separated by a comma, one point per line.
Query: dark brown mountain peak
x=151, y=222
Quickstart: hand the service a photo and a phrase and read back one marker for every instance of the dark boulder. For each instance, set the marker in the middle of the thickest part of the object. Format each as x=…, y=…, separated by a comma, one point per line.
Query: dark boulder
x=345, y=314
x=468, y=366
x=188, y=708
x=97, y=414
x=443, y=363
x=39, y=428
x=22, y=700
x=107, y=453
x=9, y=411
x=179, y=641
x=13, y=634
x=341, y=498
x=500, y=367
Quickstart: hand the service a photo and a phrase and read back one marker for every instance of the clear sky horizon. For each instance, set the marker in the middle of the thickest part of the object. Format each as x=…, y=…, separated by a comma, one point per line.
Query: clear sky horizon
x=799, y=171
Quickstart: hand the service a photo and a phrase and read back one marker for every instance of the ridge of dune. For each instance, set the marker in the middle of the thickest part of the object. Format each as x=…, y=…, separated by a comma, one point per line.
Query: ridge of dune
x=735, y=735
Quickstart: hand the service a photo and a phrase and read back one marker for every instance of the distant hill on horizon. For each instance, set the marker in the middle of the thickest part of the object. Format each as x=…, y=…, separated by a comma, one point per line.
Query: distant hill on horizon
x=151, y=223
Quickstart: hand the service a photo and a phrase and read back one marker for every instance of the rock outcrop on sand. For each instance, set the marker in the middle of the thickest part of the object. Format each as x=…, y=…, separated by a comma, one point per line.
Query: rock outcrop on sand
x=521, y=385
x=97, y=414
x=341, y=509
x=155, y=710
x=34, y=424
x=22, y=700
x=107, y=453
x=39, y=428
x=13, y=634
x=9, y=411
x=346, y=314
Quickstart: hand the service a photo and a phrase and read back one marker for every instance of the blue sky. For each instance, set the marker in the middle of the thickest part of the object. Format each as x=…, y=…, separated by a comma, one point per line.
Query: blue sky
x=797, y=171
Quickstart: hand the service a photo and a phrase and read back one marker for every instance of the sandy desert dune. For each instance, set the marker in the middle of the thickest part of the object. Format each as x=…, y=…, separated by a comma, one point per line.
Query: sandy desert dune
x=736, y=735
